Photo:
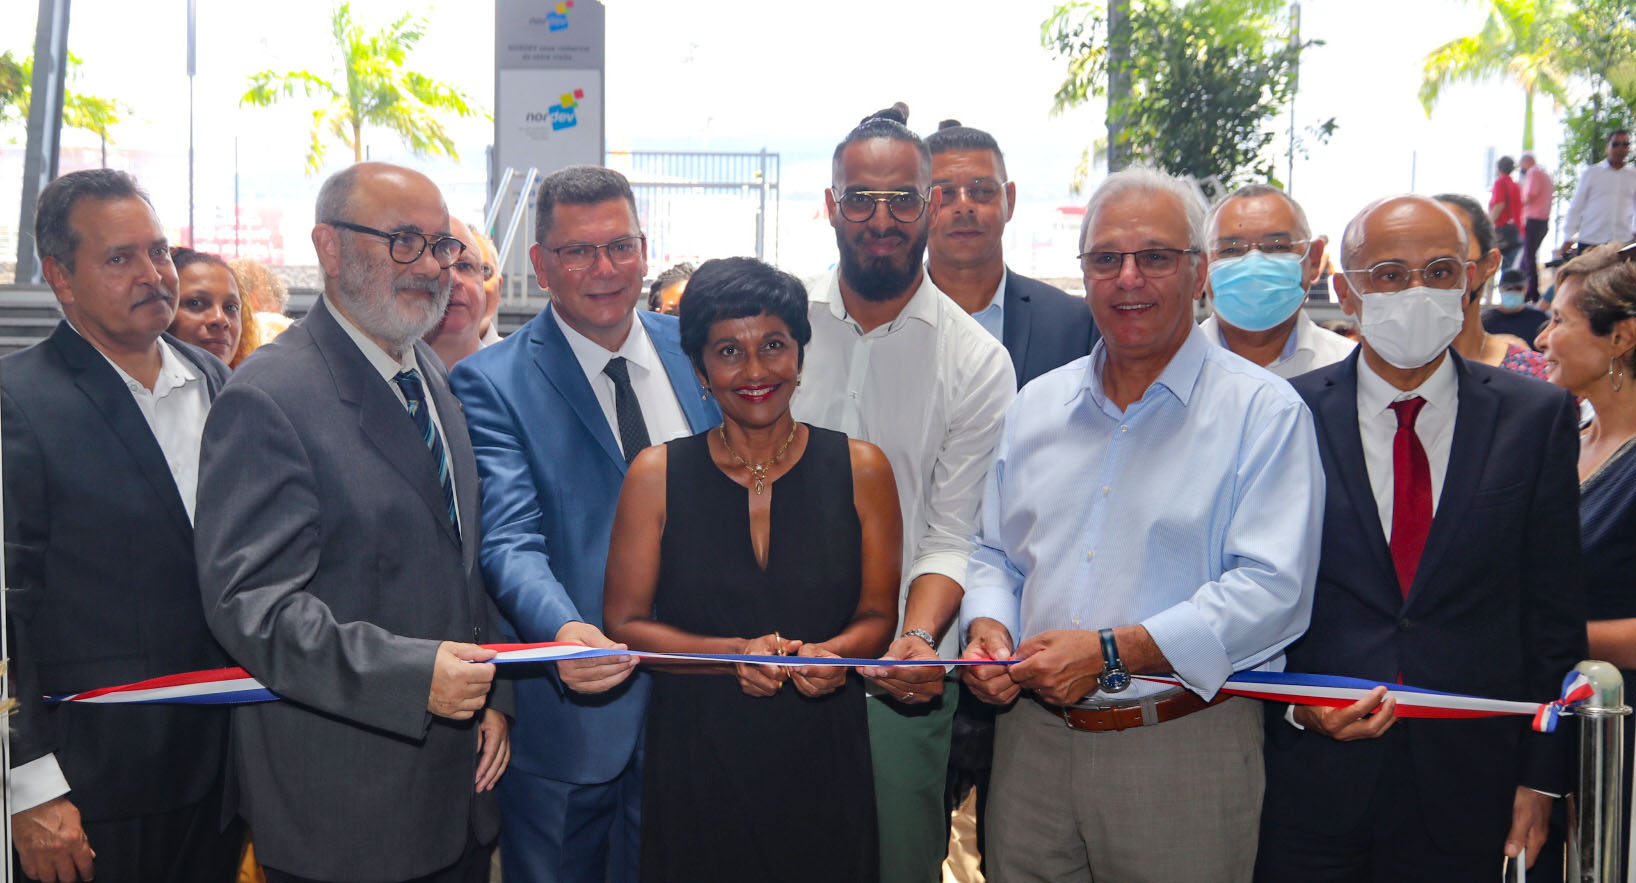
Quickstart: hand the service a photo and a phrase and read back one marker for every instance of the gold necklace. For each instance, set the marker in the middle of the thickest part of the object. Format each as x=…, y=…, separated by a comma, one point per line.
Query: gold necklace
x=757, y=470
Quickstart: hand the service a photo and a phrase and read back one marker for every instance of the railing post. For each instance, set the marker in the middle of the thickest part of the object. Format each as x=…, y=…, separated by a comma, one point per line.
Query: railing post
x=1597, y=832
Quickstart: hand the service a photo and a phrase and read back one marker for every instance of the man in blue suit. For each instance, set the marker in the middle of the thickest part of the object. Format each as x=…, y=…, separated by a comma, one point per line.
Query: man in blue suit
x=556, y=412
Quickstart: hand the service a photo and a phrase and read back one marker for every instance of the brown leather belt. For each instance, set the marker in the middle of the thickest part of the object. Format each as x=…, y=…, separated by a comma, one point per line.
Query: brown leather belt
x=1125, y=717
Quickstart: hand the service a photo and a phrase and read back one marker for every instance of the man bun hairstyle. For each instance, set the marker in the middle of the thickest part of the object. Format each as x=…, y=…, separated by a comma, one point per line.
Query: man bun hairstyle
x=951, y=135
x=891, y=123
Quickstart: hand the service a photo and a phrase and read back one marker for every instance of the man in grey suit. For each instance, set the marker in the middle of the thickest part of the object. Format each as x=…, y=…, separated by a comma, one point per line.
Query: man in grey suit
x=337, y=546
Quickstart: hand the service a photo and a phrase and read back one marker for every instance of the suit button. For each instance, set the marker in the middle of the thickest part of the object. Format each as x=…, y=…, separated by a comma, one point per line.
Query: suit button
x=1405, y=625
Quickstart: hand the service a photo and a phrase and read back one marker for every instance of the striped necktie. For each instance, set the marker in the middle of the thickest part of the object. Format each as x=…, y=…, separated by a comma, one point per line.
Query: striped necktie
x=415, y=394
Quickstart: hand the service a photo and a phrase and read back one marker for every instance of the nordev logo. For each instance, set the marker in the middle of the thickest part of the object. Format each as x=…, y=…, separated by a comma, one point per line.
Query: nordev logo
x=557, y=19
x=565, y=115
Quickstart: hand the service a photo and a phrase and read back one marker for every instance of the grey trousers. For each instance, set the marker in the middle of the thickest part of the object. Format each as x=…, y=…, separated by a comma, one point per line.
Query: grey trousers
x=1171, y=803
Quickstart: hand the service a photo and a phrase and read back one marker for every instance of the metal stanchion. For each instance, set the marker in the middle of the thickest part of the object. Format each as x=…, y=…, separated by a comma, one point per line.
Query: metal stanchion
x=1596, y=822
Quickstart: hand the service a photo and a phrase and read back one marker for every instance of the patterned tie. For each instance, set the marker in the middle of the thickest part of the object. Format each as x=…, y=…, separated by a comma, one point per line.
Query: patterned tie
x=415, y=395
x=633, y=430
x=1411, y=494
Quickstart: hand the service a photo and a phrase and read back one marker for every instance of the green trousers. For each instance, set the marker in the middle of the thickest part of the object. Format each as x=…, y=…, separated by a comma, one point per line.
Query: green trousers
x=909, y=745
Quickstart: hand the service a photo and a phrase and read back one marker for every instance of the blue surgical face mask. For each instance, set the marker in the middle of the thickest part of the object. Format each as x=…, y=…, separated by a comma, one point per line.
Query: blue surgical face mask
x=1257, y=291
x=1511, y=299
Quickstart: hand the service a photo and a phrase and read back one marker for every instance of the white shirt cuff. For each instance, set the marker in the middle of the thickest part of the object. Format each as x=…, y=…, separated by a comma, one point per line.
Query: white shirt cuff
x=1195, y=653
x=36, y=782
x=1289, y=716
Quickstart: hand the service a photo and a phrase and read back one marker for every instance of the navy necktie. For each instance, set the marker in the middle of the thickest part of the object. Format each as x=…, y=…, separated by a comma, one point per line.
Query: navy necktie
x=633, y=430
x=415, y=394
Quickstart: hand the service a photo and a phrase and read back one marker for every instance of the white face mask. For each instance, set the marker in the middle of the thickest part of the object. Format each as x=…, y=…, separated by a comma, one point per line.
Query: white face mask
x=1412, y=327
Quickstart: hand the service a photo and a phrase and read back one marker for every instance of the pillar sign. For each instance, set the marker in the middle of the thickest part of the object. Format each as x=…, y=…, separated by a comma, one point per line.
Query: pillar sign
x=549, y=63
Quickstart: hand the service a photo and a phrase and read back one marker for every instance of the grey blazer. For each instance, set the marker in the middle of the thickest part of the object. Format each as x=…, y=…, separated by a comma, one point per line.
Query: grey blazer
x=330, y=571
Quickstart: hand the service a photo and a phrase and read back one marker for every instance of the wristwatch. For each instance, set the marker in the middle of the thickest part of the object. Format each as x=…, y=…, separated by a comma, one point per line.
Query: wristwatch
x=1114, y=678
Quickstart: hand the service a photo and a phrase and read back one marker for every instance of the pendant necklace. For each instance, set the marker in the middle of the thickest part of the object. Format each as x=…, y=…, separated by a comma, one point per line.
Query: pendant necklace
x=758, y=471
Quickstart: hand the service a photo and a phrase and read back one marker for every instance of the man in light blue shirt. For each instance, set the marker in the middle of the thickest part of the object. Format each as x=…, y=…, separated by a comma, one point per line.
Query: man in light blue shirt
x=1154, y=507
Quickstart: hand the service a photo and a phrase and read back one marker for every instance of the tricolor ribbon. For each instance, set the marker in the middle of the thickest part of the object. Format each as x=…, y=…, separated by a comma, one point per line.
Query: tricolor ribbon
x=226, y=686
x=229, y=686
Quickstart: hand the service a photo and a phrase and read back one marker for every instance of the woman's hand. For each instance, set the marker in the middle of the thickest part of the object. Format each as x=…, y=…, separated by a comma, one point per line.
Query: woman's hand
x=817, y=680
x=763, y=680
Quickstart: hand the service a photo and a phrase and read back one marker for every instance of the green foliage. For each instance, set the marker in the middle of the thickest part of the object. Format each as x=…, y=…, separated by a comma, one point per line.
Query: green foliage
x=13, y=85
x=1520, y=40
x=371, y=86
x=1206, y=77
x=91, y=113
x=1596, y=43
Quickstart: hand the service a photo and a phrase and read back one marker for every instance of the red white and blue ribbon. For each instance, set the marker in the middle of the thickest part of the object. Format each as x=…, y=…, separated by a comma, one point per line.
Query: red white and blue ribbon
x=228, y=686
x=225, y=686
x=1412, y=702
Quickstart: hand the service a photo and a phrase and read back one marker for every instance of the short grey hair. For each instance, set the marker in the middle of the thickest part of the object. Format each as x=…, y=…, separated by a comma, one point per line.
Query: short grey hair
x=336, y=193
x=54, y=236
x=1146, y=179
x=1352, y=239
x=1251, y=191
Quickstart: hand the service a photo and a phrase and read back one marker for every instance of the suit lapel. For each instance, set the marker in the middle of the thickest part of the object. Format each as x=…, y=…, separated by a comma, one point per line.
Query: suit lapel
x=1337, y=408
x=701, y=414
x=102, y=385
x=381, y=417
x=562, y=371
x=1474, y=419
x=1018, y=325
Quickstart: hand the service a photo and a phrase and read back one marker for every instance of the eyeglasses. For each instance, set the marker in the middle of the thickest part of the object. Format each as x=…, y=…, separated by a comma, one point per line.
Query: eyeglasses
x=1152, y=263
x=621, y=251
x=406, y=246
x=488, y=272
x=1394, y=276
x=1275, y=245
x=470, y=268
x=858, y=206
x=979, y=192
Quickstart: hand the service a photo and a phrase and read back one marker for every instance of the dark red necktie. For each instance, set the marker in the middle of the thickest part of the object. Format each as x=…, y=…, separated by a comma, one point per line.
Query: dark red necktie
x=1411, y=494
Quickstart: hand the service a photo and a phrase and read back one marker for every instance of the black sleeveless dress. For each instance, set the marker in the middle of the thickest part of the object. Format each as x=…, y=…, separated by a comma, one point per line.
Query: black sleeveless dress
x=743, y=788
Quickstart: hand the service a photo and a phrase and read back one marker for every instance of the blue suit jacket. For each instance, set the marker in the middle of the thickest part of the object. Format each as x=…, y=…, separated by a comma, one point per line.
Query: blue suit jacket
x=1496, y=609
x=551, y=472
x=1045, y=327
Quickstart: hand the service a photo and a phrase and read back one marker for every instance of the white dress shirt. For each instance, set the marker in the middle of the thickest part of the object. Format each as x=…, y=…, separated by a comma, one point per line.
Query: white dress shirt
x=930, y=388
x=1308, y=348
x=175, y=410
x=654, y=394
x=1196, y=512
x=1377, y=423
x=388, y=368
x=1604, y=205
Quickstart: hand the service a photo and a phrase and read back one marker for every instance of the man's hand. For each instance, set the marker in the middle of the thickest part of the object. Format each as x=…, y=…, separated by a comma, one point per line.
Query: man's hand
x=50, y=843
x=592, y=675
x=909, y=683
x=987, y=639
x=1062, y=666
x=1360, y=720
x=459, y=685
x=493, y=748
x=1530, y=812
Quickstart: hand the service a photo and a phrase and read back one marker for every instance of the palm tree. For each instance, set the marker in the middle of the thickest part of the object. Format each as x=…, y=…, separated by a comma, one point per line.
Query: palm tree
x=1517, y=41
x=371, y=86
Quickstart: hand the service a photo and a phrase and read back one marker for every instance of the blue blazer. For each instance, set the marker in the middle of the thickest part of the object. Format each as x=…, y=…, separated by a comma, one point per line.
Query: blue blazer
x=1496, y=609
x=551, y=472
x=1045, y=327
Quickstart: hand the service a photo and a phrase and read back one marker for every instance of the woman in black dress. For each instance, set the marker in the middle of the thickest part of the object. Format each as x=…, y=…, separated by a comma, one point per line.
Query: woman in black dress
x=762, y=536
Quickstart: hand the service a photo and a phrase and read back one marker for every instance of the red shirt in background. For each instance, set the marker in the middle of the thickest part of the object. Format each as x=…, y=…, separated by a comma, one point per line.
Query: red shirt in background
x=1507, y=191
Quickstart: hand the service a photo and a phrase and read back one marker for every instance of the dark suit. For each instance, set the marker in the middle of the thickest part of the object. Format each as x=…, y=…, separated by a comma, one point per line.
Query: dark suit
x=99, y=558
x=552, y=473
x=331, y=572
x=1496, y=609
x=1045, y=327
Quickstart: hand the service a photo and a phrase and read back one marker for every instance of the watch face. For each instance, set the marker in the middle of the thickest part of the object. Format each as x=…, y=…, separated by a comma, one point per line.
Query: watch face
x=1115, y=680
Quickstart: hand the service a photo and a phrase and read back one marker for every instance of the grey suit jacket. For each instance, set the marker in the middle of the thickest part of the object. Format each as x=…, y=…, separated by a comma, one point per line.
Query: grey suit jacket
x=329, y=570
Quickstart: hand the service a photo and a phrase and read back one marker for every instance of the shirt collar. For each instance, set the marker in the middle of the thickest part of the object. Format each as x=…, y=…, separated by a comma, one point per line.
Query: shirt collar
x=1375, y=395
x=922, y=305
x=593, y=357
x=1300, y=337
x=1179, y=377
x=379, y=359
x=175, y=371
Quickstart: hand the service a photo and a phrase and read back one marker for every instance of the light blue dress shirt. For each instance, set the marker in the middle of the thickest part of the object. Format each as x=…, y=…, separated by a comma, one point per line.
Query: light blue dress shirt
x=1196, y=512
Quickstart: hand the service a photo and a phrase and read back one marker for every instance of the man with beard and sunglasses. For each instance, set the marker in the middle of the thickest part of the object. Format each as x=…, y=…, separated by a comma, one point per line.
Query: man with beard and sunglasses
x=342, y=569
x=895, y=362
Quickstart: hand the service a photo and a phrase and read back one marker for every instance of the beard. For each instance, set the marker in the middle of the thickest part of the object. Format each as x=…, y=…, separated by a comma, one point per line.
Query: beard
x=882, y=278
x=397, y=320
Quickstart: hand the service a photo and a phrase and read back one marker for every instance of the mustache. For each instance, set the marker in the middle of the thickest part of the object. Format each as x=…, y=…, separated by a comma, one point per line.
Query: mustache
x=415, y=283
x=156, y=293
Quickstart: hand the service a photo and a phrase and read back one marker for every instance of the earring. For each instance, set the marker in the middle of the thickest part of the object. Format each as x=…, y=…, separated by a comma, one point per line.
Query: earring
x=1616, y=370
